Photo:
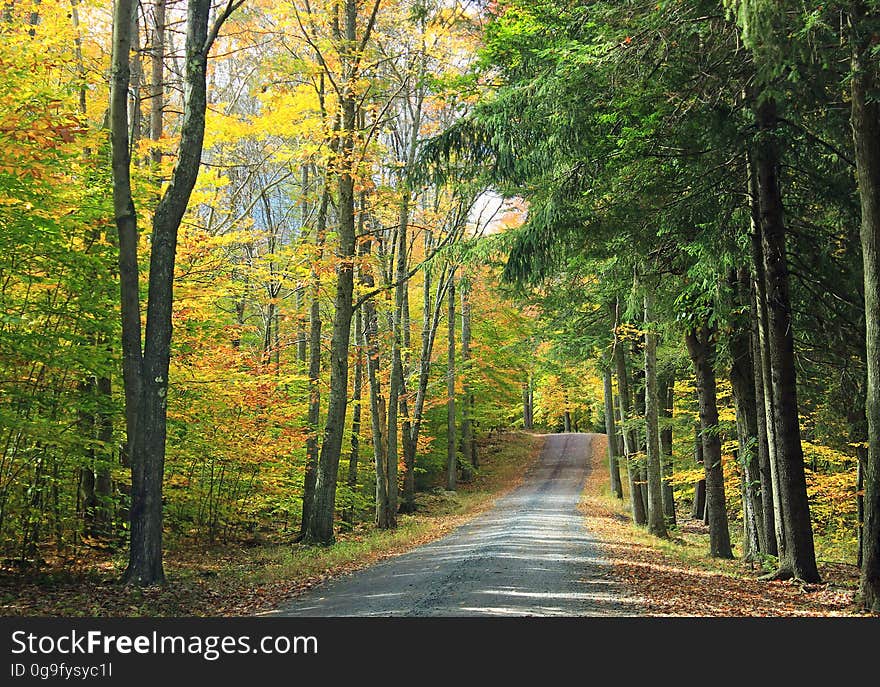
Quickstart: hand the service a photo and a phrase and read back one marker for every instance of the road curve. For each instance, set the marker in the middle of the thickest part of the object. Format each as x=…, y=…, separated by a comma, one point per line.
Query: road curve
x=529, y=555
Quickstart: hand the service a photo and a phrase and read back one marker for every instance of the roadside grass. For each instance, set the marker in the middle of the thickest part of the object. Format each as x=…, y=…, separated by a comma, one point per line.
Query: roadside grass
x=235, y=579
x=505, y=462
x=677, y=576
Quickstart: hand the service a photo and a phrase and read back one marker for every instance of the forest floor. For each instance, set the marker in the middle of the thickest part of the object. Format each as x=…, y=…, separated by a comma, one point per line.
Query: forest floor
x=237, y=579
x=676, y=577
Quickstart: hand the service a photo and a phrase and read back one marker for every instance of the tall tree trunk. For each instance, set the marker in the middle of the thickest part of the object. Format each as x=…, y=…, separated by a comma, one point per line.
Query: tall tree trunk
x=860, y=504
x=135, y=106
x=86, y=421
x=377, y=401
x=451, y=453
x=742, y=371
x=126, y=221
x=772, y=499
x=314, y=413
x=468, y=443
x=531, y=385
x=641, y=437
x=702, y=352
x=150, y=365
x=354, y=454
x=656, y=521
x=667, y=396
x=611, y=432
x=402, y=290
x=765, y=469
x=410, y=446
x=396, y=387
x=798, y=558
x=630, y=447
x=866, y=137
x=320, y=527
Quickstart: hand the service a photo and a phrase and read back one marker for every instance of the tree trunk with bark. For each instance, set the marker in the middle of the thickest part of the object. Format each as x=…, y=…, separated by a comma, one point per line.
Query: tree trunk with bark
x=656, y=519
x=357, y=396
x=468, y=442
x=432, y=310
x=146, y=369
x=396, y=386
x=377, y=403
x=702, y=352
x=611, y=432
x=798, y=557
x=865, y=83
x=630, y=446
x=528, y=422
x=638, y=383
x=742, y=371
x=319, y=527
x=314, y=413
x=157, y=83
x=771, y=502
x=451, y=453
x=667, y=396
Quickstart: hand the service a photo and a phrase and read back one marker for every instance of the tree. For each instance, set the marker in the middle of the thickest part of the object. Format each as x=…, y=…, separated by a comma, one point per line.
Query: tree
x=798, y=558
x=702, y=351
x=864, y=18
x=470, y=460
x=350, y=50
x=630, y=446
x=611, y=433
x=656, y=516
x=146, y=368
x=451, y=442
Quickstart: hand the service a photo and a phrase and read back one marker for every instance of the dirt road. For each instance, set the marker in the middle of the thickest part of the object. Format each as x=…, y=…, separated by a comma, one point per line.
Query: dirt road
x=530, y=555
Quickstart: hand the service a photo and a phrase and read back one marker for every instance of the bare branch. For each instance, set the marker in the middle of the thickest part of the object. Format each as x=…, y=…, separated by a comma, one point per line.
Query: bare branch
x=231, y=6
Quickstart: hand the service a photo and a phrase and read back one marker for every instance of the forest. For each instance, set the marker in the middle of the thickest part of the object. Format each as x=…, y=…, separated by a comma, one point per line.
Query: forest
x=272, y=272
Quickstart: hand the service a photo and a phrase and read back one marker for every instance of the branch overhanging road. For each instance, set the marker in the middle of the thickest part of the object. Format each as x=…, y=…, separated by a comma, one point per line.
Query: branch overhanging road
x=529, y=555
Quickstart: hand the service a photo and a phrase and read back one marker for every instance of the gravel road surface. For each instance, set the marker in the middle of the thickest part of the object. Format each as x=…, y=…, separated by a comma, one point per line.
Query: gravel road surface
x=529, y=555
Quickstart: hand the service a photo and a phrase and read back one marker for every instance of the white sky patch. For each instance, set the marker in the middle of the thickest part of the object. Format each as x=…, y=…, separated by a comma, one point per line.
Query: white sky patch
x=491, y=212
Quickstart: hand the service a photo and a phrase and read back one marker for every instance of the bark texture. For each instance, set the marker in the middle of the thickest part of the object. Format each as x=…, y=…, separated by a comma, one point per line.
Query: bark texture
x=798, y=557
x=667, y=397
x=630, y=445
x=866, y=137
x=451, y=453
x=146, y=369
x=656, y=519
x=611, y=432
x=468, y=441
x=702, y=352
